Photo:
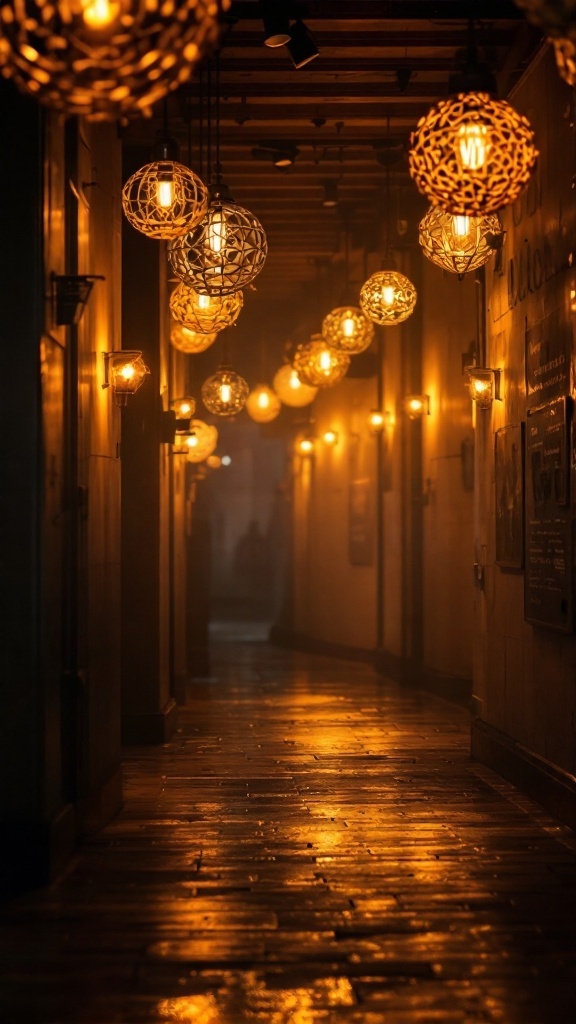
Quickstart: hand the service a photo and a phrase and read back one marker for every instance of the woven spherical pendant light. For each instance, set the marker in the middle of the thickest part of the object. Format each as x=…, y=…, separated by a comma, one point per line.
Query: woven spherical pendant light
x=348, y=330
x=188, y=341
x=105, y=59
x=459, y=244
x=225, y=392
x=388, y=298
x=263, y=404
x=224, y=252
x=163, y=199
x=290, y=389
x=319, y=365
x=472, y=154
x=198, y=442
x=205, y=314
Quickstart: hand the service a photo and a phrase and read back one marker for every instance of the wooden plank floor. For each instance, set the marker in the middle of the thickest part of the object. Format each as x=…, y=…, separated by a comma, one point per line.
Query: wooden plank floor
x=314, y=846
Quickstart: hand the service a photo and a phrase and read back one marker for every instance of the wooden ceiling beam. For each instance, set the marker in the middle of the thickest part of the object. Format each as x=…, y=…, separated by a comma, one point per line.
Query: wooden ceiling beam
x=368, y=10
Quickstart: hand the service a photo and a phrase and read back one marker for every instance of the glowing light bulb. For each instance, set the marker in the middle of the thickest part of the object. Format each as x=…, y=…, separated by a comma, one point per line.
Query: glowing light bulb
x=472, y=145
x=263, y=399
x=185, y=408
x=415, y=404
x=330, y=437
x=325, y=360
x=225, y=392
x=348, y=327
x=295, y=381
x=376, y=420
x=217, y=231
x=99, y=13
x=127, y=371
x=204, y=302
x=388, y=294
x=306, y=446
x=192, y=441
x=165, y=193
x=461, y=226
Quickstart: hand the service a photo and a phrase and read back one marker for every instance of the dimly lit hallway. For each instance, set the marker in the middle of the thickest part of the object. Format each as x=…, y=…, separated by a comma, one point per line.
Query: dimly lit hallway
x=314, y=845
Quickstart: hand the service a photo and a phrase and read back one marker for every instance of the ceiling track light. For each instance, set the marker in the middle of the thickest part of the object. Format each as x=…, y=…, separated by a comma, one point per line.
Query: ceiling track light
x=276, y=23
x=302, y=45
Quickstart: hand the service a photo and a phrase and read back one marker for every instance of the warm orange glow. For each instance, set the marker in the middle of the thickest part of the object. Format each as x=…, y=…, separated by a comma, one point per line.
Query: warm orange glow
x=348, y=327
x=216, y=231
x=473, y=145
x=376, y=420
x=305, y=445
x=318, y=364
x=225, y=392
x=416, y=406
x=127, y=371
x=330, y=438
x=388, y=297
x=460, y=226
x=165, y=194
x=263, y=404
x=99, y=14
x=290, y=389
x=183, y=407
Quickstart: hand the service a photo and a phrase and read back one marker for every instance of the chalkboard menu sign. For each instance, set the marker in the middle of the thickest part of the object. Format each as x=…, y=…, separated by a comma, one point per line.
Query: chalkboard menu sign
x=548, y=578
x=548, y=353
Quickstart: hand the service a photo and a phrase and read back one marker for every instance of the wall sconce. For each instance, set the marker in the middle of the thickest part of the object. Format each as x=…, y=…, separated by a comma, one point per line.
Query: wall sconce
x=70, y=294
x=483, y=384
x=376, y=421
x=330, y=438
x=416, y=406
x=124, y=372
x=184, y=408
x=305, y=445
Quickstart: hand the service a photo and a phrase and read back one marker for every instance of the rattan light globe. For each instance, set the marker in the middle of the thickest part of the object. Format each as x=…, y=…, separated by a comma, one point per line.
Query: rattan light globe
x=263, y=404
x=225, y=392
x=290, y=389
x=205, y=314
x=224, y=252
x=459, y=244
x=472, y=154
x=191, y=342
x=388, y=298
x=164, y=199
x=319, y=365
x=348, y=330
x=105, y=59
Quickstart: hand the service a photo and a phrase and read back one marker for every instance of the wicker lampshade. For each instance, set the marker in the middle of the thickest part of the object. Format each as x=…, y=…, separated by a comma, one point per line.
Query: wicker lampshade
x=263, y=404
x=198, y=442
x=319, y=365
x=224, y=252
x=105, y=59
x=388, y=297
x=164, y=199
x=458, y=243
x=348, y=330
x=290, y=389
x=225, y=392
x=472, y=154
x=189, y=341
x=557, y=19
x=205, y=314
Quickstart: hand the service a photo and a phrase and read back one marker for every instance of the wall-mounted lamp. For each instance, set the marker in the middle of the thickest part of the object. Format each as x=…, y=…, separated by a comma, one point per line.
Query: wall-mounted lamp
x=483, y=384
x=302, y=45
x=184, y=409
x=416, y=406
x=197, y=443
x=305, y=445
x=70, y=294
x=124, y=372
x=330, y=438
x=376, y=421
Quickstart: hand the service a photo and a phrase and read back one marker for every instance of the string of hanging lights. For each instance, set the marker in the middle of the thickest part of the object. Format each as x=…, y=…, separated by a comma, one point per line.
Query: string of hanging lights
x=188, y=341
x=105, y=59
x=290, y=389
x=225, y=392
x=263, y=404
x=346, y=328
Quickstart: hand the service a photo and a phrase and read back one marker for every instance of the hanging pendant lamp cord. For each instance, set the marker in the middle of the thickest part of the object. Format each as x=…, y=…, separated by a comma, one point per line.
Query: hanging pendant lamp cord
x=218, y=169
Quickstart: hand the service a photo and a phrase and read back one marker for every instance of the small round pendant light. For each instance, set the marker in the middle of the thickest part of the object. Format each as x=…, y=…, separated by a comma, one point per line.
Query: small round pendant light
x=164, y=199
x=224, y=252
x=459, y=244
x=198, y=442
x=105, y=59
x=263, y=404
x=291, y=390
x=188, y=341
x=205, y=314
x=225, y=392
x=319, y=365
x=348, y=330
x=388, y=298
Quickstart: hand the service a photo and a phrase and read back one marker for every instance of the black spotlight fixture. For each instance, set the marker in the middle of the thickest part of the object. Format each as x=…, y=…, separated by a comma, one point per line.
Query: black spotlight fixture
x=276, y=22
x=281, y=154
x=302, y=46
x=330, y=199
